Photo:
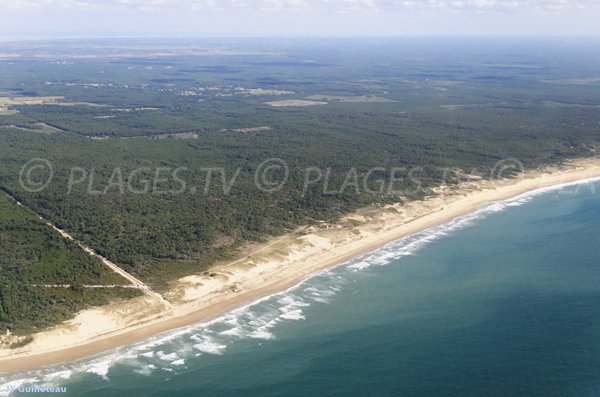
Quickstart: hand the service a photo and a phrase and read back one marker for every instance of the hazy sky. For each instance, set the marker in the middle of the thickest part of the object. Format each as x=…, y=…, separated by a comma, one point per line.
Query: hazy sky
x=84, y=18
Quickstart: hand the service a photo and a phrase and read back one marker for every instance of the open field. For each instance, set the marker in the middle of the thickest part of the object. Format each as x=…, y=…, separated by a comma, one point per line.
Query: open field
x=350, y=98
x=41, y=128
x=263, y=92
x=6, y=112
x=7, y=104
x=294, y=103
x=253, y=129
x=177, y=135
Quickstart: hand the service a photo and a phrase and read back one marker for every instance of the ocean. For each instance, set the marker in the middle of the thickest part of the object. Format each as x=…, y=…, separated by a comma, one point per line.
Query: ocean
x=501, y=302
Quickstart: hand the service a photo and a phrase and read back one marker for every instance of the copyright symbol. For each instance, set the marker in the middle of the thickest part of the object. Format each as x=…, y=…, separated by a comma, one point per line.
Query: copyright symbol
x=271, y=175
x=506, y=168
x=36, y=175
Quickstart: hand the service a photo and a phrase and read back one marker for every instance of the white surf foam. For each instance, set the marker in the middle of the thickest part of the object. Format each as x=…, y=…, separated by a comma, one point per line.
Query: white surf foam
x=100, y=368
x=293, y=315
x=167, y=357
x=209, y=346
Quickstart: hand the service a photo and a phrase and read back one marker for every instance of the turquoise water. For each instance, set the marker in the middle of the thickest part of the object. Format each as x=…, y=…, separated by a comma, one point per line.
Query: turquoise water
x=504, y=302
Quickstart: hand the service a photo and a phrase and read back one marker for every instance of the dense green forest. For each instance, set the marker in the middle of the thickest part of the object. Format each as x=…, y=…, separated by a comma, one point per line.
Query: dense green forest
x=459, y=104
x=33, y=255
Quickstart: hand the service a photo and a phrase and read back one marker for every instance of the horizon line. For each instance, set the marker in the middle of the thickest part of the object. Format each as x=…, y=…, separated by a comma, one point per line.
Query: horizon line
x=9, y=39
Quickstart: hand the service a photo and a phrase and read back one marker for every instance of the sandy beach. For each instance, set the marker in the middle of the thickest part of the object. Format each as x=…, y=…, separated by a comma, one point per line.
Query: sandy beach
x=274, y=266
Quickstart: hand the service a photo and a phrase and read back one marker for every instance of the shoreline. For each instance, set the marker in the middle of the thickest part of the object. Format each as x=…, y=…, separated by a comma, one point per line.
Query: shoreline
x=289, y=262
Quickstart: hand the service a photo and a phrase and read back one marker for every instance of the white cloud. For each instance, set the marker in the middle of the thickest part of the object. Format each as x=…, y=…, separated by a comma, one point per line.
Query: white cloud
x=297, y=17
x=314, y=5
